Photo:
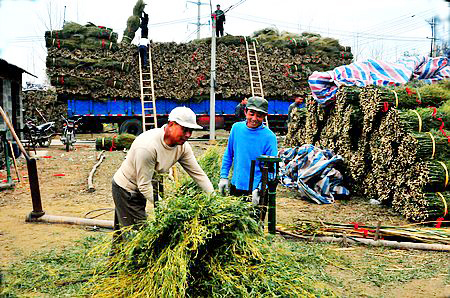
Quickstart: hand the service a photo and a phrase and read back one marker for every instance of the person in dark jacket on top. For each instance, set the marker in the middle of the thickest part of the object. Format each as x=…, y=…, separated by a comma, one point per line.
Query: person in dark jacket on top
x=220, y=20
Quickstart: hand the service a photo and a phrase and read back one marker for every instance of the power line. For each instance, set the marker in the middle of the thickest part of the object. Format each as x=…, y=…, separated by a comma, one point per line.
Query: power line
x=399, y=19
x=233, y=6
x=335, y=32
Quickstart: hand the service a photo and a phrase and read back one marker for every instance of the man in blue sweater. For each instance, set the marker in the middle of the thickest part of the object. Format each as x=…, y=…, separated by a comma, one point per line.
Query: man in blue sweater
x=248, y=140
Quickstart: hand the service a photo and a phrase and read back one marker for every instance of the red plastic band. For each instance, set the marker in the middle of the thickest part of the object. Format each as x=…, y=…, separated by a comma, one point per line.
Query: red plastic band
x=434, y=111
x=385, y=106
x=439, y=222
x=194, y=55
x=200, y=78
x=113, y=146
x=59, y=175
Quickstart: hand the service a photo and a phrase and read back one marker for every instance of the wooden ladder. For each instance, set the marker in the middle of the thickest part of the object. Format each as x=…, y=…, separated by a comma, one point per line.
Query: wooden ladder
x=254, y=72
x=148, y=102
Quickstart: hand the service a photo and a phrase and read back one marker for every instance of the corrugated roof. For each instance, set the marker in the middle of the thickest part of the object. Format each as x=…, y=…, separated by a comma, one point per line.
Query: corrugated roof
x=4, y=63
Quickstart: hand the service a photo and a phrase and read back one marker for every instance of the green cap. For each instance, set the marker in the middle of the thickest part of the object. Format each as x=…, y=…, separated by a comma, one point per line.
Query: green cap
x=258, y=104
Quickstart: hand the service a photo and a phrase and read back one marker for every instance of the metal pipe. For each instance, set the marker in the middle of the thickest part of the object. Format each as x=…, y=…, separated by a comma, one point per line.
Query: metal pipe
x=252, y=176
x=212, y=92
x=271, y=217
x=34, y=188
x=107, y=224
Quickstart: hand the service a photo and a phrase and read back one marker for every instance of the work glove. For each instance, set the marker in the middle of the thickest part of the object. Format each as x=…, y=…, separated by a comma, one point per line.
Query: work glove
x=223, y=186
x=255, y=197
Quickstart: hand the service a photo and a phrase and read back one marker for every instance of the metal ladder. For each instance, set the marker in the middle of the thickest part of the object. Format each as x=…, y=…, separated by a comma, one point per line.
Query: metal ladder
x=254, y=72
x=148, y=102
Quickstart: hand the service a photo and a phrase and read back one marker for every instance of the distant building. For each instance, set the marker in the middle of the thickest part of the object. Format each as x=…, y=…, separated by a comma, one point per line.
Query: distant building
x=11, y=95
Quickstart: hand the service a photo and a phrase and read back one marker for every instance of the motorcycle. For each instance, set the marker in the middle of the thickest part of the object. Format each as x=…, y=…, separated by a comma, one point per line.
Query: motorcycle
x=40, y=134
x=68, y=134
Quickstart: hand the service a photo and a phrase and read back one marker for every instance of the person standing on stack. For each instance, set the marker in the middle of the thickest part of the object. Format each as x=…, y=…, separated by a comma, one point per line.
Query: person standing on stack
x=144, y=42
x=154, y=151
x=220, y=20
x=248, y=140
x=239, y=111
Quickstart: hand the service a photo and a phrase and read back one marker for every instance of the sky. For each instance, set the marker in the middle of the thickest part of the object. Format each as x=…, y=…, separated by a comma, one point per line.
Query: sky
x=381, y=29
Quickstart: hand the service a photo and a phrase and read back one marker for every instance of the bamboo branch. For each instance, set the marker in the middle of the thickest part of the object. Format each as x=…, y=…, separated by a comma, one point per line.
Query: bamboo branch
x=386, y=243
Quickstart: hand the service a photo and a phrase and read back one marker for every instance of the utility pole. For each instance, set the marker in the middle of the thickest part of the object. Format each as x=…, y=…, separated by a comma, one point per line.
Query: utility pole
x=64, y=18
x=432, y=23
x=448, y=28
x=198, y=3
x=212, y=100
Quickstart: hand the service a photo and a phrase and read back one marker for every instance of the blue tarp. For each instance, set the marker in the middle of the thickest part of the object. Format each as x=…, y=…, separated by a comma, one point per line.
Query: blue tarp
x=324, y=85
x=312, y=172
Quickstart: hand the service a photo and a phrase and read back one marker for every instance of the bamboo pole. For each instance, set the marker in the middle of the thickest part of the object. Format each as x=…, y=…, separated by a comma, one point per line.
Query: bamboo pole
x=107, y=224
x=14, y=162
x=371, y=242
x=91, y=187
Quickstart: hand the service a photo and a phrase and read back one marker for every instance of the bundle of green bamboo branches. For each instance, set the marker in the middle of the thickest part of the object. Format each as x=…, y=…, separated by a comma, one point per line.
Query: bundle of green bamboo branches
x=412, y=232
x=123, y=141
x=202, y=247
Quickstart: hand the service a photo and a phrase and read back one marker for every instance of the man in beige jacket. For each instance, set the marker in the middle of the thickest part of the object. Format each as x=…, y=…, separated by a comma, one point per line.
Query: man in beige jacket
x=155, y=150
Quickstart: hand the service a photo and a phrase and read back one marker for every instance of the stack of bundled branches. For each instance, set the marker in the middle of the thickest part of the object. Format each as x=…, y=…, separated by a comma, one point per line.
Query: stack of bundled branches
x=396, y=155
x=88, y=61
x=38, y=103
x=99, y=67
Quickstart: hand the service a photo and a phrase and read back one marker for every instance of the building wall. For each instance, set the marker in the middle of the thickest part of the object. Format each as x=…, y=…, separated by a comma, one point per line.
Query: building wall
x=11, y=102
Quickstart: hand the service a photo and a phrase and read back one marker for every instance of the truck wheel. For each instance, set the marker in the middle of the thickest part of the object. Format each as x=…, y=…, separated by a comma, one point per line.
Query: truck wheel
x=131, y=126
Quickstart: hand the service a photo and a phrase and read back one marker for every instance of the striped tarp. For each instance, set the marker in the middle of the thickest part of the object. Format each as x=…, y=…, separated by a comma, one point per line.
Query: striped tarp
x=324, y=85
x=312, y=172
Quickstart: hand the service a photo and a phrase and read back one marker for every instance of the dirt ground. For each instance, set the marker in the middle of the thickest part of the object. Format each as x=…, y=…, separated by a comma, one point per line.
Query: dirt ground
x=63, y=185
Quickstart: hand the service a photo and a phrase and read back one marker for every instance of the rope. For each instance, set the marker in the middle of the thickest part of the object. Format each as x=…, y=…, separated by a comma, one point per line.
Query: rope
x=434, y=144
x=445, y=203
x=420, y=120
x=446, y=173
x=396, y=98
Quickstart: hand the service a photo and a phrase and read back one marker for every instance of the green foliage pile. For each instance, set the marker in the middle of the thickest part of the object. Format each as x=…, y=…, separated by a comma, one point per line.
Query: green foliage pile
x=204, y=246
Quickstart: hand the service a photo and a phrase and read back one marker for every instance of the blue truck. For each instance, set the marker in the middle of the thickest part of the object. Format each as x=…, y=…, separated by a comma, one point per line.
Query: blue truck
x=127, y=113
